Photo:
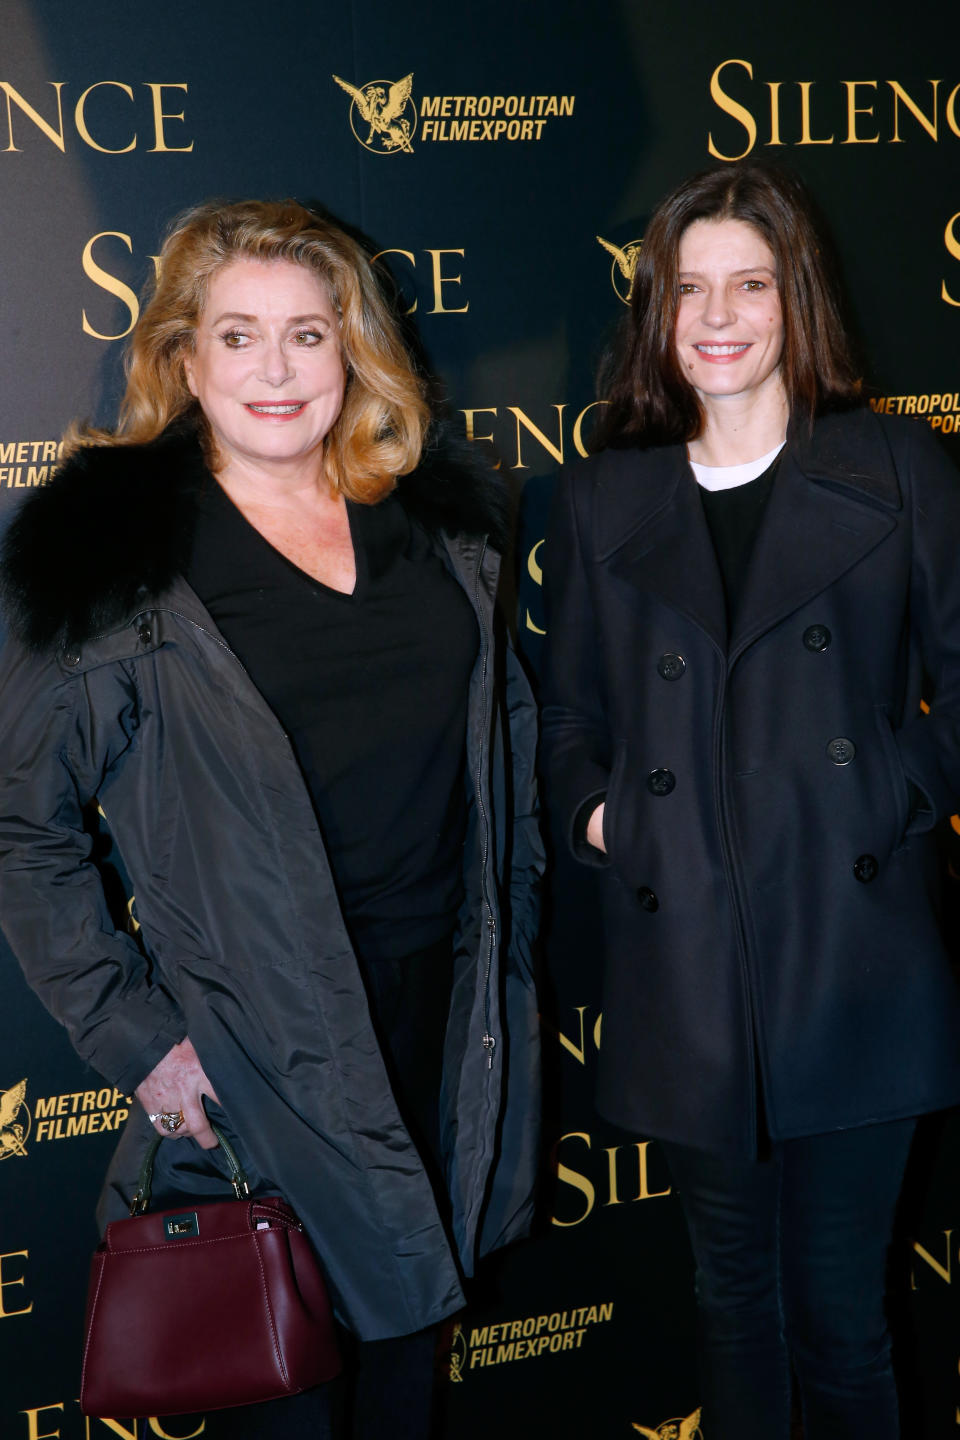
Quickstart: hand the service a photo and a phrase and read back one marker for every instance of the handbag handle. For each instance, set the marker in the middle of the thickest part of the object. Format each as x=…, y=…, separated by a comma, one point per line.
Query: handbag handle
x=141, y=1198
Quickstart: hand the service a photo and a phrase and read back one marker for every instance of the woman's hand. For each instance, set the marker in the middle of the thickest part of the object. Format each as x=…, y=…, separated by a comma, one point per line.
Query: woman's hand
x=176, y=1086
x=595, y=829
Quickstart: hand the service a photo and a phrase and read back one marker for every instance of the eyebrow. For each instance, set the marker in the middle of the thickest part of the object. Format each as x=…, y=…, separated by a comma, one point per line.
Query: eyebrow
x=747, y=270
x=252, y=319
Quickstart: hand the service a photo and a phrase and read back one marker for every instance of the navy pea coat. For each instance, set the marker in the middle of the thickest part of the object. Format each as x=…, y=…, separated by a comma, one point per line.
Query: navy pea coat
x=770, y=895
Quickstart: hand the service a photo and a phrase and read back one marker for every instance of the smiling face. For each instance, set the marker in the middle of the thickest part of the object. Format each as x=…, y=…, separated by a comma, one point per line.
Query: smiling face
x=729, y=330
x=267, y=366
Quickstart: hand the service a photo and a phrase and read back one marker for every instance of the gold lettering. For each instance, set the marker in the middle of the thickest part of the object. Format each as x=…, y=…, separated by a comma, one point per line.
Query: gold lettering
x=952, y=243
x=14, y=95
x=899, y=94
x=33, y=1423
x=951, y=110
x=523, y=419
x=576, y=1181
x=774, y=87
x=159, y=115
x=439, y=280
x=612, y=1152
x=805, y=136
x=944, y=1271
x=132, y=921
x=579, y=1052
x=470, y=432
x=116, y=1428
x=407, y=256
x=730, y=107
x=578, y=427
x=5, y=1314
x=853, y=110
x=644, y=1192
x=80, y=119
x=110, y=283
x=536, y=575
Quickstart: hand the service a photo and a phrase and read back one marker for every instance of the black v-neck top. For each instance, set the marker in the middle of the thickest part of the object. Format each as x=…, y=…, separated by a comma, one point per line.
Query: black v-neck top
x=371, y=689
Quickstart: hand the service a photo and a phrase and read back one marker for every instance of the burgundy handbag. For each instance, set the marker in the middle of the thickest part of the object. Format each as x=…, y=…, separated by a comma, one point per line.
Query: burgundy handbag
x=204, y=1307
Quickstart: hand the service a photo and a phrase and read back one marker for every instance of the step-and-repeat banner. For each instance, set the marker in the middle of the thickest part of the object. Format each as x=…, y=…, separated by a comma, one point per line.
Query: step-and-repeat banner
x=503, y=160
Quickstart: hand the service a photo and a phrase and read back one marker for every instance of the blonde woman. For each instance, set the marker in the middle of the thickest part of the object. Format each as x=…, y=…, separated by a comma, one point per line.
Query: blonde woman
x=274, y=665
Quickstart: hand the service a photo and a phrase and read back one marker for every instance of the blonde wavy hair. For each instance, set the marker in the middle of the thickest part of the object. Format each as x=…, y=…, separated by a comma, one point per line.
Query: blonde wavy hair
x=380, y=431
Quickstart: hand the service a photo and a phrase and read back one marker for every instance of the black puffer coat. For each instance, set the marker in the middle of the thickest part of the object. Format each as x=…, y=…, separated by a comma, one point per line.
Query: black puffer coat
x=119, y=687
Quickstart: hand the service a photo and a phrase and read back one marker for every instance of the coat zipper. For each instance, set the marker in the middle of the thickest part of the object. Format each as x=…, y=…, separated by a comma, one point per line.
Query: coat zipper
x=488, y=1041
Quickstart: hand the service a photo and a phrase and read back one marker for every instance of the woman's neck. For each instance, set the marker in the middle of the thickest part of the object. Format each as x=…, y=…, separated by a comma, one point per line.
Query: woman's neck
x=277, y=486
x=740, y=428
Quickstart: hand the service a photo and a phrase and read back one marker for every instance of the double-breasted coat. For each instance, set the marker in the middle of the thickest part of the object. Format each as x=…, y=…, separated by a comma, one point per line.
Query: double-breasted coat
x=771, y=889
x=119, y=687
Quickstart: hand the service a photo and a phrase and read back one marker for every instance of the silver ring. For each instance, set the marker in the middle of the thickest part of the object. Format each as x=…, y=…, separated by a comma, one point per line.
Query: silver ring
x=170, y=1120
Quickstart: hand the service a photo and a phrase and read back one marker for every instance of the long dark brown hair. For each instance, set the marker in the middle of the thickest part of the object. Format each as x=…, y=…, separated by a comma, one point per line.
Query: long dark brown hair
x=649, y=400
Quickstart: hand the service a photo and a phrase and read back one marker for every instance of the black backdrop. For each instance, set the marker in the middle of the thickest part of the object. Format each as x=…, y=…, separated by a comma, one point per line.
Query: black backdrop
x=538, y=138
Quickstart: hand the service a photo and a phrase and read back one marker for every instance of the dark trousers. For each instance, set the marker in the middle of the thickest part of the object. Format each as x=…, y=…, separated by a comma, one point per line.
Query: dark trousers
x=387, y=1389
x=791, y=1256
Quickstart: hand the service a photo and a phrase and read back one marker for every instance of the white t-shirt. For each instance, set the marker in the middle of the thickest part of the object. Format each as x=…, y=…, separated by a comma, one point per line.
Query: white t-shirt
x=725, y=477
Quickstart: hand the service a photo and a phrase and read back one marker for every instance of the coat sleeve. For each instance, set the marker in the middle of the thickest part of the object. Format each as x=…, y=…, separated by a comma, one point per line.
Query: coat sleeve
x=60, y=737
x=929, y=745
x=576, y=742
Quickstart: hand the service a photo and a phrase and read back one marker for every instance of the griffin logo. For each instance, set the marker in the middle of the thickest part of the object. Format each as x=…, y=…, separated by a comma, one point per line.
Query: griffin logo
x=688, y=1429
x=14, y=1121
x=458, y=1353
x=383, y=117
x=623, y=267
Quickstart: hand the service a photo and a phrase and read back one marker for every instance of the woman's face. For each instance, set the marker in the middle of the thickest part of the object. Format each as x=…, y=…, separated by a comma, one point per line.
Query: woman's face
x=267, y=367
x=729, y=329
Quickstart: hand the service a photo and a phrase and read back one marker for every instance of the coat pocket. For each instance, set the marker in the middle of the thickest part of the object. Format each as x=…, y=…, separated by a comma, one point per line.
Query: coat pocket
x=899, y=787
x=611, y=806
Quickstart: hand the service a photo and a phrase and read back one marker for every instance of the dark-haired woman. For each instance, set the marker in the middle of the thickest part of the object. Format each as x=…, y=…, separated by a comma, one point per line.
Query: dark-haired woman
x=746, y=586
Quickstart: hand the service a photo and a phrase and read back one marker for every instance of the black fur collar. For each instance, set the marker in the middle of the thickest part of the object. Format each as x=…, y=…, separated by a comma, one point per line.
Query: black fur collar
x=114, y=528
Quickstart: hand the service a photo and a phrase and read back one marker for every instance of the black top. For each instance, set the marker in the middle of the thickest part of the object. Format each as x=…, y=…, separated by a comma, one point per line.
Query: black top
x=733, y=519
x=371, y=689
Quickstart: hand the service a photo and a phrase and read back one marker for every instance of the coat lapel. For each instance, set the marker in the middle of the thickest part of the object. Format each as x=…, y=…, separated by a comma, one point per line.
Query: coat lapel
x=835, y=498
x=815, y=529
x=651, y=530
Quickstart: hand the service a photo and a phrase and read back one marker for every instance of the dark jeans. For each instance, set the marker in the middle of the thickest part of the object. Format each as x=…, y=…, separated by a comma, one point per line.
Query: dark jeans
x=791, y=1254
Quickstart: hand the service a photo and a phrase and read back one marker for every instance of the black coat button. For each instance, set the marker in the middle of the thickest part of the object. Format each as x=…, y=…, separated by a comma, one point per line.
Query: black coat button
x=71, y=657
x=648, y=899
x=816, y=637
x=841, y=751
x=670, y=666
x=661, y=782
x=865, y=868
x=144, y=633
